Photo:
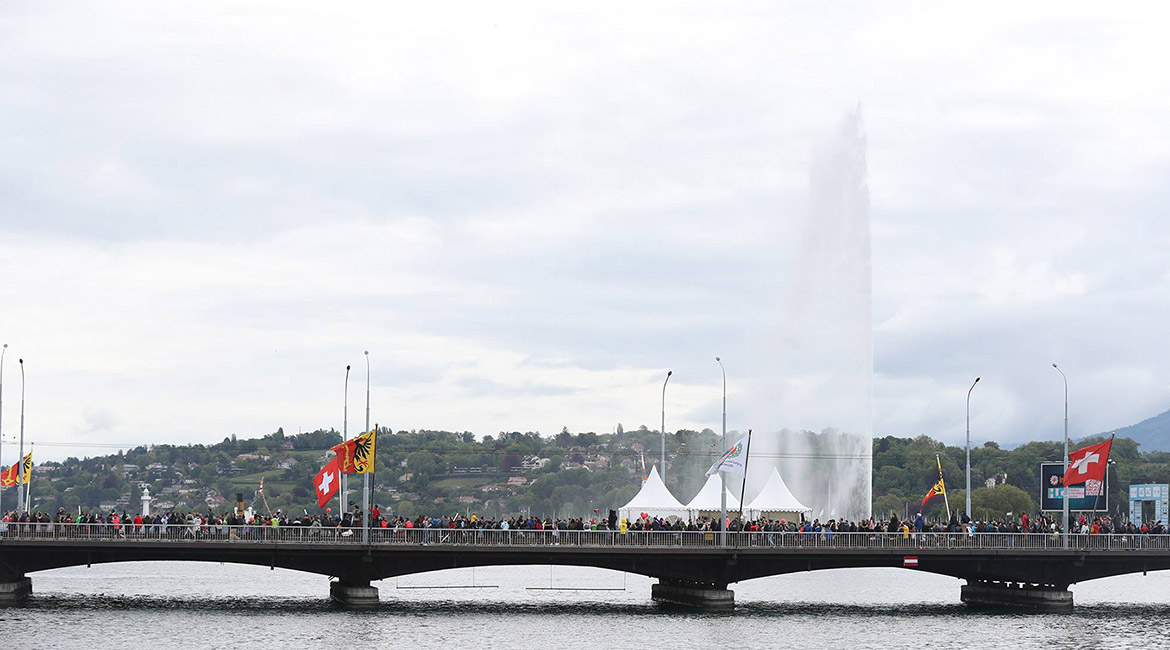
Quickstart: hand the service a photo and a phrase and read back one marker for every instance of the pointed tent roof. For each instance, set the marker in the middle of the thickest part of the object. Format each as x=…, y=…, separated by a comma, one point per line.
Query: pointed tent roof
x=775, y=497
x=653, y=499
x=707, y=500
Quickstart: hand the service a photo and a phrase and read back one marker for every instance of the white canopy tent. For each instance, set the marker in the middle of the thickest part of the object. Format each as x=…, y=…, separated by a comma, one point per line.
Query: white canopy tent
x=707, y=500
x=653, y=499
x=775, y=501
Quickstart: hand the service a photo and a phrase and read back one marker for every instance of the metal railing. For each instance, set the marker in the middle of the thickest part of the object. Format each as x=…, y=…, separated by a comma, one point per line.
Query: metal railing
x=825, y=540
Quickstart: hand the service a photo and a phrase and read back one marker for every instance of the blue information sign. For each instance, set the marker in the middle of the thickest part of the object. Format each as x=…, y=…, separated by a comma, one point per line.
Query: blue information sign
x=1156, y=495
x=1090, y=495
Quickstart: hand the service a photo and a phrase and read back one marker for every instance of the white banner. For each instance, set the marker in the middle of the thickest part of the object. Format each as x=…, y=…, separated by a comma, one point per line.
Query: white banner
x=734, y=460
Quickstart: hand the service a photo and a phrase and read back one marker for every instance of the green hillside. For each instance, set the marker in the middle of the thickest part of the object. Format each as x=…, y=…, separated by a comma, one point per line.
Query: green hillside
x=569, y=474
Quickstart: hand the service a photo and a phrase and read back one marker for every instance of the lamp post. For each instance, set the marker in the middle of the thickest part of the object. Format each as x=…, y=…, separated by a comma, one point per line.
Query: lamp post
x=968, y=511
x=366, y=476
x=668, y=374
x=344, y=500
x=1064, y=488
x=722, y=476
x=20, y=454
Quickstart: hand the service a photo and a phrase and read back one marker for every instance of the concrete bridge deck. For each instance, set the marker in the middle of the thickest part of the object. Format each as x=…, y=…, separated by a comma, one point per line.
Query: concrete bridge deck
x=692, y=567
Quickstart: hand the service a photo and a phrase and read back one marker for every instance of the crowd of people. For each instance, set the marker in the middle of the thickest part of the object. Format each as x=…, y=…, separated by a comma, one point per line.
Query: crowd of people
x=190, y=523
x=195, y=524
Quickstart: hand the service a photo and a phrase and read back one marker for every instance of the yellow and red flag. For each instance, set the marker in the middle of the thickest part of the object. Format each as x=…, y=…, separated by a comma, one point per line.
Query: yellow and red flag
x=939, y=488
x=10, y=476
x=357, y=456
x=27, y=468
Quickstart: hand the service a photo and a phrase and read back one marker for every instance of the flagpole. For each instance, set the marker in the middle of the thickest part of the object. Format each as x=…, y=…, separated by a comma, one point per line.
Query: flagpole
x=28, y=486
x=20, y=472
x=668, y=374
x=341, y=504
x=373, y=470
x=1104, y=483
x=940, y=477
x=2, y=353
x=743, y=486
x=722, y=476
x=366, y=476
x=968, y=512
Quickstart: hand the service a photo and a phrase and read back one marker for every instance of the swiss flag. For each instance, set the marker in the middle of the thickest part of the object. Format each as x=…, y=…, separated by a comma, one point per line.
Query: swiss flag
x=1088, y=463
x=327, y=482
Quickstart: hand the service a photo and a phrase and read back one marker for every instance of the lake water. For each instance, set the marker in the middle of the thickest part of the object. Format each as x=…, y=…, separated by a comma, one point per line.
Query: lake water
x=190, y=605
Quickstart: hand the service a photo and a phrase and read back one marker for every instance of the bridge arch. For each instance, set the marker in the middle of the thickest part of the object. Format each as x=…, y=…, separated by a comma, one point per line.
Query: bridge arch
x=682, y=562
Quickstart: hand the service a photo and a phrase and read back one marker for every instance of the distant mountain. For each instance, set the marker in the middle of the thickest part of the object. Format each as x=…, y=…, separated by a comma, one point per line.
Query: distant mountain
x=1152, y=434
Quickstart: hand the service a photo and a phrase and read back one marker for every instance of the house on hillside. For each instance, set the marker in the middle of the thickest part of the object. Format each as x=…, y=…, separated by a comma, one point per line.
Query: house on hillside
x=533, y=462
x=253, y=456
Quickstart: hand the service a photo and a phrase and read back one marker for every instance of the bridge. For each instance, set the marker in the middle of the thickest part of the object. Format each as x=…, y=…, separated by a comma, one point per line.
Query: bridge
x=692, y=568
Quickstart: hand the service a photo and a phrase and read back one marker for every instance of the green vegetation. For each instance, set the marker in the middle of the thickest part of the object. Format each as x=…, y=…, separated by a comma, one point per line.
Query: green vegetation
x=415, y=471
x=904, y=469
x=569, y=474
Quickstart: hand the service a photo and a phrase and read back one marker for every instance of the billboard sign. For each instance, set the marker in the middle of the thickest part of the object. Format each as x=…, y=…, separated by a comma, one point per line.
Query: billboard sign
x=1090, y=495
x=1157, y=496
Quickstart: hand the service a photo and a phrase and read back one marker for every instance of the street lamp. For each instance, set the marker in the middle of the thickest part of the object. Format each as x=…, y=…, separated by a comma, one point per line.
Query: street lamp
x=722, y=476
x=668, y=374
x=968, y=512
x=366, y=476
x=1065, y=487
x=343, y=506
x=20, y=454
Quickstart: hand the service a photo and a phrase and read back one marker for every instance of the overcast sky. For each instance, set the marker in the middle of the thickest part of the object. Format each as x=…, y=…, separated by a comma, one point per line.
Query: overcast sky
x=527, y=213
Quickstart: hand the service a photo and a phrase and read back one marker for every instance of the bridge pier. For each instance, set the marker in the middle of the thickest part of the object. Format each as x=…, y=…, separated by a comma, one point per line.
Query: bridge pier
x=354, y=594
x=706, y=597
x=15, y=589
x=1004, y=594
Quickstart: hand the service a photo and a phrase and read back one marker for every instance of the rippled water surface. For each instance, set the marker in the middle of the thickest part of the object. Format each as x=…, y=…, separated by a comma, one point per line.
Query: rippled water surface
x=182, y=605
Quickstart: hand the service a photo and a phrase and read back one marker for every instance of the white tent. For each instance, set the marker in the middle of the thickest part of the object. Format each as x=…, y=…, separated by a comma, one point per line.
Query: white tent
x=707, y=500
x=653, y=499
x=775, y=501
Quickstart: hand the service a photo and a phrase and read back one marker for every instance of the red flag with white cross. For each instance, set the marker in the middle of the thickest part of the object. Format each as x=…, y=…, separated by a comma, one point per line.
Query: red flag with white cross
x=1088, y=464
x=327, y=482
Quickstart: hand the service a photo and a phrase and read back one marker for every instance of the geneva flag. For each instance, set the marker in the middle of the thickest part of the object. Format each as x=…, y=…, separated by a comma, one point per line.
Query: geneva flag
x=940, y=486
x=357, y=456
x=10, y=476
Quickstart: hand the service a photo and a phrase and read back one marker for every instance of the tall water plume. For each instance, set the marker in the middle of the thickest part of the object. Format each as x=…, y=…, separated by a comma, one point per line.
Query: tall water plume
x=820, y=356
